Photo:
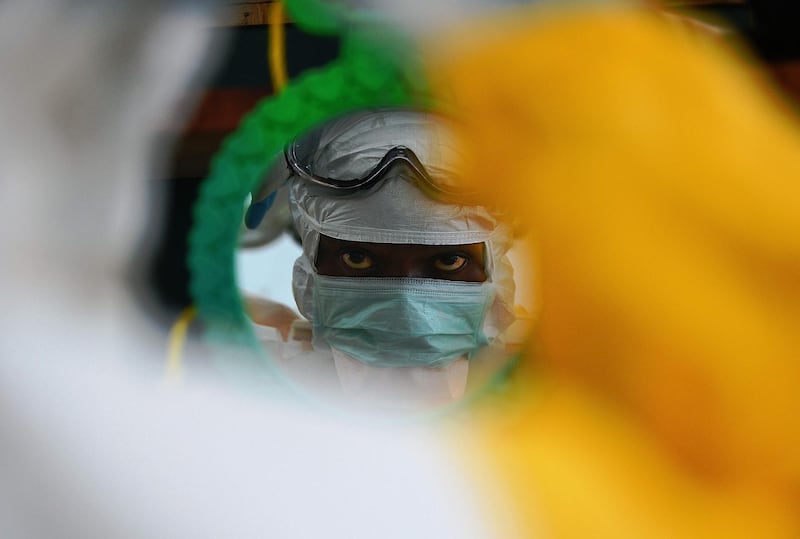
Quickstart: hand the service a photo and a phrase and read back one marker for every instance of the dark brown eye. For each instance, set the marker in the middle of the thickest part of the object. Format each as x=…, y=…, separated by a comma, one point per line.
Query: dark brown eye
x=357, y=260
x=450, y=262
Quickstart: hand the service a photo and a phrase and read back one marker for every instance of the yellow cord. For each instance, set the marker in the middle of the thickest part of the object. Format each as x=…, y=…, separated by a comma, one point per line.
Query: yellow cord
x=277, y=47
x=177, y=338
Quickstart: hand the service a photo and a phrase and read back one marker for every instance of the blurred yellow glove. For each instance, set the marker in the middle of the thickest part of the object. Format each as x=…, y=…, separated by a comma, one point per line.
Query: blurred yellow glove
x=660, y=179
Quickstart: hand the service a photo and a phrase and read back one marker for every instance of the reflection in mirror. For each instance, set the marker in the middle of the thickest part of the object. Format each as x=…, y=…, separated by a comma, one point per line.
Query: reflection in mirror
x=401, y=287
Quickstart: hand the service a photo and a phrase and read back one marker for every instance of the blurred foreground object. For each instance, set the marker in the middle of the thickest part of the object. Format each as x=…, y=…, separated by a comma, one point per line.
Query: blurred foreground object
x=659, y=178
x=86, y=85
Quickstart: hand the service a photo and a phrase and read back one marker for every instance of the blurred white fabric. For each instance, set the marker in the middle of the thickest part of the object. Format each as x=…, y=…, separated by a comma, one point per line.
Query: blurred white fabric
x=88, y=451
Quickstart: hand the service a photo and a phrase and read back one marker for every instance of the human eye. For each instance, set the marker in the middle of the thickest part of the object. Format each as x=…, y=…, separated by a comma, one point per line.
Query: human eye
x=357, y=260
x=450, y=262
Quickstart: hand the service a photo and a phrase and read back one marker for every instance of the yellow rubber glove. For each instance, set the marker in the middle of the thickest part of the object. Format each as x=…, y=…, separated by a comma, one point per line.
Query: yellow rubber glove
x=660, y=178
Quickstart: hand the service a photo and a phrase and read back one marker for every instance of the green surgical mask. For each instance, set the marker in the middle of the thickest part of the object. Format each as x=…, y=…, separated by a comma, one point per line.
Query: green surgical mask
x=401, y=322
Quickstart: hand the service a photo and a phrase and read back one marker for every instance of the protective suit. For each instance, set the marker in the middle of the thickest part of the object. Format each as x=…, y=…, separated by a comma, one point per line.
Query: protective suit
x=389, y=335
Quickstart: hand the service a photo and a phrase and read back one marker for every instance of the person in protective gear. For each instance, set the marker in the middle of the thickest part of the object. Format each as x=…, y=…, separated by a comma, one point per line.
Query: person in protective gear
x=402, y=281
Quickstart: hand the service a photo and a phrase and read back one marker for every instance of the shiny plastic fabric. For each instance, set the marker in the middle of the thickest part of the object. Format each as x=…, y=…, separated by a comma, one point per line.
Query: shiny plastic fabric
x=317, y=156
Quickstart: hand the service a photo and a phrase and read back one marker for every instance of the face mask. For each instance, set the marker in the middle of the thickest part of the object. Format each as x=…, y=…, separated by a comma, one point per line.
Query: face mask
x=390, y=322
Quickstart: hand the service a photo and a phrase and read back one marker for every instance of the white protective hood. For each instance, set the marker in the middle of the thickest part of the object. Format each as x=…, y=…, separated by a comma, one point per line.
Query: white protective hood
x=395, y=210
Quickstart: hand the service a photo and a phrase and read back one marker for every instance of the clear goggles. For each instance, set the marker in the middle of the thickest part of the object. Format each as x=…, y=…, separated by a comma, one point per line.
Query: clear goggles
x=434, y=181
